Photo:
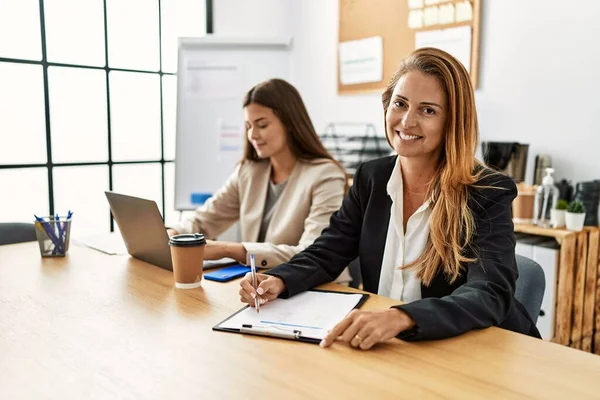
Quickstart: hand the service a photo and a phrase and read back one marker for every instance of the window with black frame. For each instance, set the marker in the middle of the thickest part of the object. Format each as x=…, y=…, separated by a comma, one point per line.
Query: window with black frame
x=87, y=104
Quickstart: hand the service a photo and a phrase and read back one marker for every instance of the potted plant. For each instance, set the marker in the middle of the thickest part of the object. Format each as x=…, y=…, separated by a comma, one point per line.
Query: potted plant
x=558, y=214
x=575, y=216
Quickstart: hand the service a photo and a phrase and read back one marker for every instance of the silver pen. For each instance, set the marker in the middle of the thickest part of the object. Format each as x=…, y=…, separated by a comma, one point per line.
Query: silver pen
x=254, y=282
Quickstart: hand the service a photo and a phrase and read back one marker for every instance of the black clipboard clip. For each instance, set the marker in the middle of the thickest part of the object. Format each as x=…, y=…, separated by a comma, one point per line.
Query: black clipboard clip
x=272, y=331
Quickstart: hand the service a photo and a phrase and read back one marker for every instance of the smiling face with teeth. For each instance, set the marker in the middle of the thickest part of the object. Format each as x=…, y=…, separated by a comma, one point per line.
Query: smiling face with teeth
x=416, y=116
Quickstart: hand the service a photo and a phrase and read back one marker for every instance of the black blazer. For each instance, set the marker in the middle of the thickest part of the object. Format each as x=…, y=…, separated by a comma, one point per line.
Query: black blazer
x=482, y=296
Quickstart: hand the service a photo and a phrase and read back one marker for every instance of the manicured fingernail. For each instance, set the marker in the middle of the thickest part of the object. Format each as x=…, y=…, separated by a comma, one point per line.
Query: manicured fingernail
x=253, y=295
x=260, y=290
x=322, y=344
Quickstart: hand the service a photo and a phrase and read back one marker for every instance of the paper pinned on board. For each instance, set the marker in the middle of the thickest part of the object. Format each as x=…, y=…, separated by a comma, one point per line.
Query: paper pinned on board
x=415, y=4
x=464, y=11
x=447, y=14
x=361, y=60
x=456, y=41
x=415, y=19
x=231, y=138
x=431, y=16
x=211, y=81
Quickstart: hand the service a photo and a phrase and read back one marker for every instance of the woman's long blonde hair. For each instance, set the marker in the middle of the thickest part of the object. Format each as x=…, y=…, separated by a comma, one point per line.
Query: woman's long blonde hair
x=452, y=224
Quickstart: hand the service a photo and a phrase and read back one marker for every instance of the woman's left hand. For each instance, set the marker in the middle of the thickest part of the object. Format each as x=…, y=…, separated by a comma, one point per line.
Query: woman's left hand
x=215, y=250
x=365, y=328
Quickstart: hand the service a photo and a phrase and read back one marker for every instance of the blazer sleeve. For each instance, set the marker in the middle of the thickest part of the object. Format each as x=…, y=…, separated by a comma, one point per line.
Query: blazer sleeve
x=486, y=297
x=218, y=213
x=327, y=195
x=331, y=252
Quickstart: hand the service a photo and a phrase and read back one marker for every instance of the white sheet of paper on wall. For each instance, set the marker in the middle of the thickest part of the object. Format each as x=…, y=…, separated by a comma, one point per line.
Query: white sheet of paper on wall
x=456, y=41
x=431, y=16
x=415, y=4
x=447, y=14
x=464, y=11
x=231, y=138
x=361, y=60
x=415, y=19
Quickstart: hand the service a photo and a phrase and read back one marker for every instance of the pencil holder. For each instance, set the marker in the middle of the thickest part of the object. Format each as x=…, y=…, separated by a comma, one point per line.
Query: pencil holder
x=53, y=235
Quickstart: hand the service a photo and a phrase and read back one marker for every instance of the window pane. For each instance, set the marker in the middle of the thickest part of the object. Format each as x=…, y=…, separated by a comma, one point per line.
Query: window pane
x=20, y=29
x=22, y=119
x=179, y=18
x=133, y=34
x=139, y=180
x=171, y=215
x=135, y=116
x=81, y=190
x=169, y=114
x=30, y=186
x=78, y=118
x=75, y=31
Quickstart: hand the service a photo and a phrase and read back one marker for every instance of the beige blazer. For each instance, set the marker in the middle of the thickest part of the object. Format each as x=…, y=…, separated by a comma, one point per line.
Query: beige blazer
x=313, y=192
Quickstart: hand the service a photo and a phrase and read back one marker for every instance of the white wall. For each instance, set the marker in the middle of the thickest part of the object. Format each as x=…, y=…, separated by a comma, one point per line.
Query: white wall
x=313, y=25
x=537, y=80
x=314, y=61
x=261, y=18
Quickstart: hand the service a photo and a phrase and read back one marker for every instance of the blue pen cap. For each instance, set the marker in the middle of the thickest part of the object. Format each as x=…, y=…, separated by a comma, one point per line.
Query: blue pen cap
x=187, y=240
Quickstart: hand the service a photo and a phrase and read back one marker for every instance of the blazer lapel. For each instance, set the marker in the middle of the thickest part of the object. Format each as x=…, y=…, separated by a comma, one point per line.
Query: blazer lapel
x=252, y=214
x=375, y=226
x=379, y=238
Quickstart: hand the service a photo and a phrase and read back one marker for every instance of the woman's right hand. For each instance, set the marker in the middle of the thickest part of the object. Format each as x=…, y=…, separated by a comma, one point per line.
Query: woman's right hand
x=172, y=232
x=269, y=287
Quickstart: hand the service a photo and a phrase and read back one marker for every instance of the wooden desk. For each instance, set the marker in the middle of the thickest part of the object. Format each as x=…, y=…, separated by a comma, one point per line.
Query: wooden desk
x=577, y=322
x=102, y=327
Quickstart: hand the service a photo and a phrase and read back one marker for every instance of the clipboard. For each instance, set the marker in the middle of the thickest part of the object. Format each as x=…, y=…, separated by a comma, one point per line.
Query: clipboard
x=294, y=307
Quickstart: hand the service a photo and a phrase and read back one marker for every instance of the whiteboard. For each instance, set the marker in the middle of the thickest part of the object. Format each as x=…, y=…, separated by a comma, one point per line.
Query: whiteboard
x=213, y=75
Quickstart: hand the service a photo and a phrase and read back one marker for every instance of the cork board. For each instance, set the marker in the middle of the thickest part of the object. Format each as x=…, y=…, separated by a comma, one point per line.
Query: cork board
x=389, y=19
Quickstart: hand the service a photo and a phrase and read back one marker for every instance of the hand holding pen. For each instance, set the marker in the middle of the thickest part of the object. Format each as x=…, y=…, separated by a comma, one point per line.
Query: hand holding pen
x=257, y=289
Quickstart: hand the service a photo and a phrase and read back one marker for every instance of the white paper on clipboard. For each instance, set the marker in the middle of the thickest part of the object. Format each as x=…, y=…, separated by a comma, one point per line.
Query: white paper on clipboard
x=312, y=313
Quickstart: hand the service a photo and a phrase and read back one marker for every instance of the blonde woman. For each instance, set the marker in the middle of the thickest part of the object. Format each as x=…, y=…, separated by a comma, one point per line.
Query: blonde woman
x=284, y=190
x=431, y=225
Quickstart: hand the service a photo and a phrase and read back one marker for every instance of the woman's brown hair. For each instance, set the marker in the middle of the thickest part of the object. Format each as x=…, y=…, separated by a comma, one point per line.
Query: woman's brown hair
x=286, y=103
x=451, y=225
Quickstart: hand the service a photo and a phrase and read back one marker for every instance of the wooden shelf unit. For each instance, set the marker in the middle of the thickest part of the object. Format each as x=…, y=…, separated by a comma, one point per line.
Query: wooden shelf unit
x=577, y=322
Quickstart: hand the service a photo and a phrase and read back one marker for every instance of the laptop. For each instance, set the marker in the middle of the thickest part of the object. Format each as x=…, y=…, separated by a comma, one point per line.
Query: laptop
x=144, y=232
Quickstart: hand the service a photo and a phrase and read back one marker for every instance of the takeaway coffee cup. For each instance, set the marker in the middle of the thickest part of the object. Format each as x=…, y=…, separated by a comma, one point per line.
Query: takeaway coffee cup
x=187, y=254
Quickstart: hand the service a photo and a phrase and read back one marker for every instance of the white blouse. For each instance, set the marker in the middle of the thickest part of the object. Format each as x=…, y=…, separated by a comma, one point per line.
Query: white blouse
x=401, y=247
